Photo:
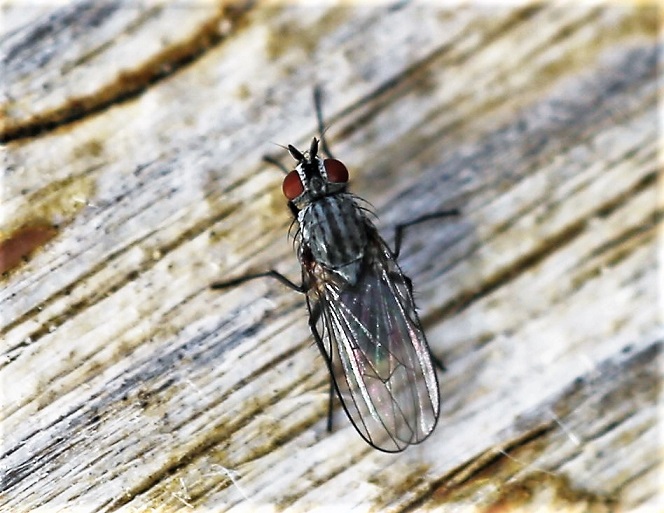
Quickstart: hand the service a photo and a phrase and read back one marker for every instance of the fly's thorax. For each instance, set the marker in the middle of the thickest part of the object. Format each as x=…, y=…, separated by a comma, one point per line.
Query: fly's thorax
x=335, y=231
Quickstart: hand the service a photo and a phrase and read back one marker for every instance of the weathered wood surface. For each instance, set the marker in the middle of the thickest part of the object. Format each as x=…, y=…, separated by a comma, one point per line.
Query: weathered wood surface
x=137, y=129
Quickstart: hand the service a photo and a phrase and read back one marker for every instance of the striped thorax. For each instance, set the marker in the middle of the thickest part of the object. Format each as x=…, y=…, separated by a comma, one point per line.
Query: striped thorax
x=333, y=228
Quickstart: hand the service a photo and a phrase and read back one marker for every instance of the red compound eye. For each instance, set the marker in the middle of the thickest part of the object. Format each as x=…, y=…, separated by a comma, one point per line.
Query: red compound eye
x=336, y=171
x=292, y=186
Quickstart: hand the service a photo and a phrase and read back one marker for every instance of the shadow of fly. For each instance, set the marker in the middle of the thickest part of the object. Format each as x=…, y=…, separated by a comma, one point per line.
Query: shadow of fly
x=361, y=309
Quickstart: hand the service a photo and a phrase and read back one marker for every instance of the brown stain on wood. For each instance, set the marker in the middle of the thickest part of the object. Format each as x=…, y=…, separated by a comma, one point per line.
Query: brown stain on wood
x=22, y=243
x=549, y=492
x=46, y=211
x=475, y=483
x=285, y=37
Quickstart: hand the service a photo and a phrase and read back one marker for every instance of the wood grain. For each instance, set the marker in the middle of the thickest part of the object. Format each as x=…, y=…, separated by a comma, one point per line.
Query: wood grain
x=136, y=131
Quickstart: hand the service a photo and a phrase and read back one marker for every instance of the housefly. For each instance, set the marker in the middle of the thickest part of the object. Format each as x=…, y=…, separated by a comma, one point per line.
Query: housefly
x=361, y=310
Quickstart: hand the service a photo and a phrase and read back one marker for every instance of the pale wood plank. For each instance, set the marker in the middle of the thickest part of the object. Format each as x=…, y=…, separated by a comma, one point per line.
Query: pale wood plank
x=128, y=385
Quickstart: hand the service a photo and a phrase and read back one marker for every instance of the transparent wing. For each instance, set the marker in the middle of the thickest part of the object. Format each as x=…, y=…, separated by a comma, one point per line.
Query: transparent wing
x=377, y=353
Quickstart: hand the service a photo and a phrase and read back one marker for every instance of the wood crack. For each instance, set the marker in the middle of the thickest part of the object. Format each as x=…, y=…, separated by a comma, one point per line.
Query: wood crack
x=129, y=85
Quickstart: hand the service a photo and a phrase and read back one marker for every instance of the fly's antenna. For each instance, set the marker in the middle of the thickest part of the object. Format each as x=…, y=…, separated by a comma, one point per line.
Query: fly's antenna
x=318, y=105
x=295, y=153
x=313, y=149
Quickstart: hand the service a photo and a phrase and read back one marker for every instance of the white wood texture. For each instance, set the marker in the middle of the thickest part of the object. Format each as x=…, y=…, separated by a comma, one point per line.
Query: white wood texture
x=138, y=130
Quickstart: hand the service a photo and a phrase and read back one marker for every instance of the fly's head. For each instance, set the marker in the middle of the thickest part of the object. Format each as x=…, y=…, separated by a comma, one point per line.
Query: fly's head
x=313, y=177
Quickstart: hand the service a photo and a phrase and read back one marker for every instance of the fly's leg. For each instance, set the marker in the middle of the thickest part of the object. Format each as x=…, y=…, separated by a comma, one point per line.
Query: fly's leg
x=318, y=104
x=398, y=236
x=248, y=277
x=313, y=319
x=329, y=405
x=400, y=228
x=275, y=162
x=409, y=283
x=437, y=362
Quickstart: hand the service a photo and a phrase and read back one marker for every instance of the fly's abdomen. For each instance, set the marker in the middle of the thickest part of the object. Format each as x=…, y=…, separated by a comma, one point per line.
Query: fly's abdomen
x=335, y=231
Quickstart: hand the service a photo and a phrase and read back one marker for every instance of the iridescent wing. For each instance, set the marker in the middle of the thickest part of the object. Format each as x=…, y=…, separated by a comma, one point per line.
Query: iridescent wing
x=377, y=352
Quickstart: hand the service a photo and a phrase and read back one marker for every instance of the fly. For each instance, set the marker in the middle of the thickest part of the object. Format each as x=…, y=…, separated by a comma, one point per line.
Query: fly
x=361, y=309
